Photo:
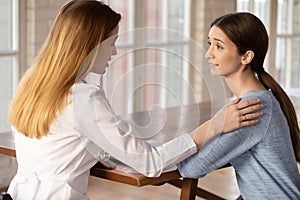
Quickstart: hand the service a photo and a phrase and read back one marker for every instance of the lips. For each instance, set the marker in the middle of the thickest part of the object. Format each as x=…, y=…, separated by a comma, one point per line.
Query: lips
x=211, y=65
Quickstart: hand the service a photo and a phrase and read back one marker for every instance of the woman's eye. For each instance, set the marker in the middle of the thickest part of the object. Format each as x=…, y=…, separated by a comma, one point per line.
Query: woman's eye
x=219, y=47
x=209, y=43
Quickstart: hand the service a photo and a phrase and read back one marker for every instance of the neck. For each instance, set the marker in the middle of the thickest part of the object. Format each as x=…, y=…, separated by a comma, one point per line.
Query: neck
x=241, y=83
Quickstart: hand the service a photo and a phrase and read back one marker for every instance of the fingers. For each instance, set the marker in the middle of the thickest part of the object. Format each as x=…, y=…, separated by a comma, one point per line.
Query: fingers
x=251, y=109
x=250, y=116
x=253, y=115
x=239, y=114
x=247, y=103
x=250, y=119
x=235, y=101
x=242, y=118
x=249, y=122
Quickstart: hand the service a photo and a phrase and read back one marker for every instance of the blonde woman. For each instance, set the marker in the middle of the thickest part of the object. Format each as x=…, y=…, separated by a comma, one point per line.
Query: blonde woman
x=63, y=124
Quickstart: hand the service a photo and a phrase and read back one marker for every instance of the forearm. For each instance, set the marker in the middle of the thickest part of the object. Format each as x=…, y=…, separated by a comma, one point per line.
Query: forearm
x=203, y=133
x=97, y=122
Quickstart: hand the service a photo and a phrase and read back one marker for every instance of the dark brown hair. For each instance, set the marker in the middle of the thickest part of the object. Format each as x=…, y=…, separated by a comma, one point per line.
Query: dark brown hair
x=248, y=32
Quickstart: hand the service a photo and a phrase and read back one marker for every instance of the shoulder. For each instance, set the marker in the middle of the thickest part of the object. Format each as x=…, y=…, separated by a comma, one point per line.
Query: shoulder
x=265, y=97
x=83, y=87
x=272, y=113
x=270, y=104
x=88, y=96
x=86, y=90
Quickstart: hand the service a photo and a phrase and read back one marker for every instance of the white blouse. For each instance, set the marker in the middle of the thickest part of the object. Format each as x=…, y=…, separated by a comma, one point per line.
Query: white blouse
x=85, y=132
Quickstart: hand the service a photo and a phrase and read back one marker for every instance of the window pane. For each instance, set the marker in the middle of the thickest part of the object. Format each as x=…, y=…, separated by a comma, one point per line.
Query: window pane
x=257, y=7
x=154, y=13
x=297, y=17
x=261, y=10
x=7, y=63
x=282, y=24
x=295, y=63
x=175, y=77
x=243, y=5
x=6, y=25
x=155, y=18
x=287, y=62
x=145, y=57
x=176, y=15
x=281, y=60
x=6, y=81
x=153, y=76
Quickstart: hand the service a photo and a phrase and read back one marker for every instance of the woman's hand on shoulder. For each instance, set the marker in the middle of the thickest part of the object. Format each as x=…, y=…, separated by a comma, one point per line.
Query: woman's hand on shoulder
x=237, y=114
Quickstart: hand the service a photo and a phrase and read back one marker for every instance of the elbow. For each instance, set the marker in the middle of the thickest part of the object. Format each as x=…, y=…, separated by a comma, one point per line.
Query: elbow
x=147, y=170
x=151, y=173
x=190, y=175
x=190, y=172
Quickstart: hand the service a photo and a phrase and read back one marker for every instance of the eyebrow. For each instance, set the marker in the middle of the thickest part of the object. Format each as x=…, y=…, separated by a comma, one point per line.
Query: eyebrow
x=216, y=39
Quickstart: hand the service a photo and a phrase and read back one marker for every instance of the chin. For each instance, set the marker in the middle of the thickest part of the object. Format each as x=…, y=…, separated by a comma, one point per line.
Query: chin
x=215, y=72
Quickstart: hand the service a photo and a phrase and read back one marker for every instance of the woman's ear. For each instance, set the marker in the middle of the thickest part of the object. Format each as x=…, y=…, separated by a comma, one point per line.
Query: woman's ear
x=247, y=57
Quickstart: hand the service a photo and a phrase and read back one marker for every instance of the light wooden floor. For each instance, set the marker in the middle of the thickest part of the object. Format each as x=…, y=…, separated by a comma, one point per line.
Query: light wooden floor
x=221, y=182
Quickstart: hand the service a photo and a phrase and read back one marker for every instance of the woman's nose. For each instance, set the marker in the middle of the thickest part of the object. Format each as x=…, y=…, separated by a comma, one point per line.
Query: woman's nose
x=114, y=51
x=208, y=53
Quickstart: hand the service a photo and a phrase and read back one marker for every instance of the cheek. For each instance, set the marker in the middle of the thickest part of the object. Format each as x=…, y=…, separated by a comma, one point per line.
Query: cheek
x=230, y=58
x=101, y=61
x=227, y=64
x=104, y=54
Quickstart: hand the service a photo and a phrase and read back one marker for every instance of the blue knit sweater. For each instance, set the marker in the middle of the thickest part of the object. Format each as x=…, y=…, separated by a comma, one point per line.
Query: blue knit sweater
x=262, y=155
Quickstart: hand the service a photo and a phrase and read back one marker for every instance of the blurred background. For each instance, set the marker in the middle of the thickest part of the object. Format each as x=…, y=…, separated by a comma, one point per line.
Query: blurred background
x=169, y=67
x=170, y=52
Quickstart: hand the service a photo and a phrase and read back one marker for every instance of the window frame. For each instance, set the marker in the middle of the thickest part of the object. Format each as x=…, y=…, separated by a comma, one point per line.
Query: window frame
x=17, y=51
x=138, y=9
x=272, y=23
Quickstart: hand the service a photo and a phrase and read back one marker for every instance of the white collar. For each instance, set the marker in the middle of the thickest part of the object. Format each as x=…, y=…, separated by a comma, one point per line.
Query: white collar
x=93, y=78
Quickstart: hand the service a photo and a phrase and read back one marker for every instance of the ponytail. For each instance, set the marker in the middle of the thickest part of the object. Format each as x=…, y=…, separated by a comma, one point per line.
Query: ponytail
x=287, y=108
x=248, y=32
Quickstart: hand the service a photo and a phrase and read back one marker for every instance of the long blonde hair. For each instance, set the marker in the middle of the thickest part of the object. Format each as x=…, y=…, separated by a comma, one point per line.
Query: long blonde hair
x=43, y=91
